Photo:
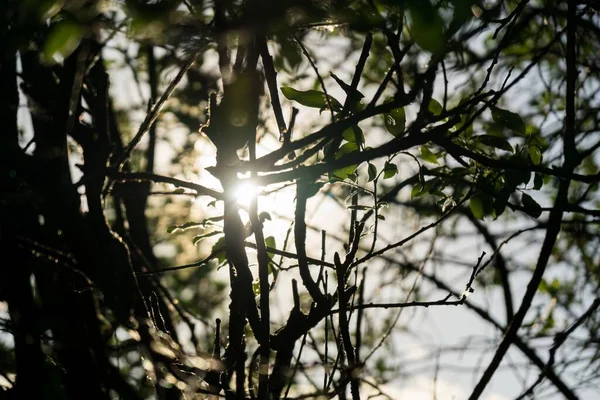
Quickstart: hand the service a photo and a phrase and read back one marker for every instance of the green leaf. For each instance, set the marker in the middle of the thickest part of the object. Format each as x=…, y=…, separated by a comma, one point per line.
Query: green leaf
x=372, y=172
x=476, y=206
x=270, y=243
x=389, y=170
x=354, y=135
x=495, y=141
x=417, y=191
x=63, y=39
x=428, y=156
x=509, y=120
x=346, y=148
x=531, y=206
x=535, y=154
x=468, y=131
x=345, y=172
x=434, y=107
x=481, y=205
x=311, y=98
x=395, y=121
x=427, y=27
x=46, y=9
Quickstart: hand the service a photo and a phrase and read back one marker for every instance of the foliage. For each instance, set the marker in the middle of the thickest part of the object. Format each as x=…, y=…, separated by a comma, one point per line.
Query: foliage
x=450, y=139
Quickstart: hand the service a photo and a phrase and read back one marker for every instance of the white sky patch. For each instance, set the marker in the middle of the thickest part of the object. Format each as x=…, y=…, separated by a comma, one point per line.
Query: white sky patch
x=422, y=388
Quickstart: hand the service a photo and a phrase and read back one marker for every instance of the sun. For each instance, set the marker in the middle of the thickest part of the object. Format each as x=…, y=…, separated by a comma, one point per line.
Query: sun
x=277, y=200
x=245, y=191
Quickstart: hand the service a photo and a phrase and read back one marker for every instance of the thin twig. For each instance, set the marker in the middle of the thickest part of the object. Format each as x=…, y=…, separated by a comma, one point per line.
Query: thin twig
x=144, y=176
x=271, y=78
x=153, y=114
x=319, y=77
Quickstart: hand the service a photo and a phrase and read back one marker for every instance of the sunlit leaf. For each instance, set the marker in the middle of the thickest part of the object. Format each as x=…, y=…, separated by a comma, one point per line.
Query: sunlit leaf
x=435, y=108
x=63, y=39
x=270, y=243
x=346, y=148
x=428, y=156
x=535, y=154
x=389, y=170
x=417, y=190
x=354, y=135
x=311, y=98
x=345, y=172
